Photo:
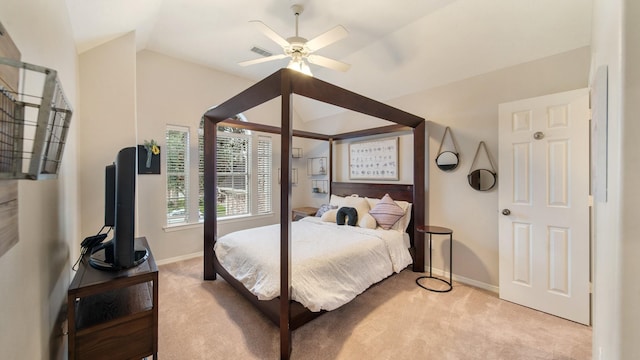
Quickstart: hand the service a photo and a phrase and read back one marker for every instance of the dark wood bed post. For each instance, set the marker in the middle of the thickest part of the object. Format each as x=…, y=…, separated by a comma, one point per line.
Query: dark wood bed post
x=284, y=83
x=419, y=193
x=330, y=167
x=286, y=139
x=210, y=201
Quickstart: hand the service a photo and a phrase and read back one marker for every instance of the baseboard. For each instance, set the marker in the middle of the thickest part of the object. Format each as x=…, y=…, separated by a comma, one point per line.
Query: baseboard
x=466, y=280
x=179, y=258
x=58, y=339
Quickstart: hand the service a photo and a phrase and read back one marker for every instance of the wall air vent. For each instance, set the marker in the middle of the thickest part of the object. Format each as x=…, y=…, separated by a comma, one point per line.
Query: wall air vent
x=261, y=51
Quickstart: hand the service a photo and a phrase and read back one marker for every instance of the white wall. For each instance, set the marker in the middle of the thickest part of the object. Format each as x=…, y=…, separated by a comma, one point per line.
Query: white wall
x=470, y=108
x=35, y=273
x=616, y=248
x=130, y=97
x=302, y=194
x=630, y=166
x=174, y=92
x=107, y=86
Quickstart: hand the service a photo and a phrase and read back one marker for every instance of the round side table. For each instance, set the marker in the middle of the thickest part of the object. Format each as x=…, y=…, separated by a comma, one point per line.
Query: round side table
x=437, y=230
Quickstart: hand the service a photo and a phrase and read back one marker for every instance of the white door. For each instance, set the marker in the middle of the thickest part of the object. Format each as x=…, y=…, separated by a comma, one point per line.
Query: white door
x=544, y=205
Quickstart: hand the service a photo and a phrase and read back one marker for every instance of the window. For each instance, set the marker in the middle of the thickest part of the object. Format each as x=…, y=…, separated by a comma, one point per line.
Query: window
x=233, y=174
x=201, y=171
x=237, y=161
x=264, y=174
x=177, y=140
x=243, y=168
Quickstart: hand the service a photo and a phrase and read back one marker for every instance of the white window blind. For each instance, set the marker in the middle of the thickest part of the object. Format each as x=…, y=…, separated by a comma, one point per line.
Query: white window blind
x=177, y=150
x=233, y=152
x=264, y=174
x=201, y=172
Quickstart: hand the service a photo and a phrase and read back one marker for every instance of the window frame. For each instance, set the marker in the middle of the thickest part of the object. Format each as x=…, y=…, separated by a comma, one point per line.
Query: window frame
x=195, y=172
x=254, y=173
x=178, y=220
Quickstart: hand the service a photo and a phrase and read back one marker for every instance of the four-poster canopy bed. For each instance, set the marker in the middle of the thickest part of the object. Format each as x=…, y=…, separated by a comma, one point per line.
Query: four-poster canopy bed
x=283, y=311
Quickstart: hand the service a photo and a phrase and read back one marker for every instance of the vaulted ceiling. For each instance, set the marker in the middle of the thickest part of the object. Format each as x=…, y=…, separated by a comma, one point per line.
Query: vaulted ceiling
x=394, y=47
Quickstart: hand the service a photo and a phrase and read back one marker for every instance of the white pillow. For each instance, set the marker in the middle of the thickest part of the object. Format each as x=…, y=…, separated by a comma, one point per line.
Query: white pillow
x=360, y=204
x=402, y=224
x=387, y=212
x=404, y=221
x=329, y=216
x=336, y=200
x=368, y=222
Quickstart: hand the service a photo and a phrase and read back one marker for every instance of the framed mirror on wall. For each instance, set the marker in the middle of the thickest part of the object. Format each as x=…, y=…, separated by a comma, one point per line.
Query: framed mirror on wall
x=480, y=178
x=448, y=157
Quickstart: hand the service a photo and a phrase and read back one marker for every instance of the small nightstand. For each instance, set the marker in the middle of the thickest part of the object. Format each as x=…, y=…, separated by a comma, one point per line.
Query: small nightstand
x=299, y=213
x=437, y=230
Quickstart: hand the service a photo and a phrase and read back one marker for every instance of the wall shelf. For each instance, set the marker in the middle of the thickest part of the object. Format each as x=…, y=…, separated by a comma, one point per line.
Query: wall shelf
x=320, y=186
x=317, y=166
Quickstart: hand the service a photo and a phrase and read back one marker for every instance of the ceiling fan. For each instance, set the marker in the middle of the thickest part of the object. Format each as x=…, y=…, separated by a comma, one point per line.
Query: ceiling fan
x=300, y=49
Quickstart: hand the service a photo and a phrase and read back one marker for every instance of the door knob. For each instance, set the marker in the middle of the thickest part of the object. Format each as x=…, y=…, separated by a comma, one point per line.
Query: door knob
x=506, y=212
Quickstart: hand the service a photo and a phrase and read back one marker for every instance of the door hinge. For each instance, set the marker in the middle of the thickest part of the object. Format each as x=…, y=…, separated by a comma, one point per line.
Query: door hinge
x=590, y=287
x=590, y=200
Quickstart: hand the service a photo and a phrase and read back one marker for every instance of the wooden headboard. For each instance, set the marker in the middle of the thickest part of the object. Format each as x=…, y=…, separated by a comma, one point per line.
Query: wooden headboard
x=400, y=192
x=396, y=191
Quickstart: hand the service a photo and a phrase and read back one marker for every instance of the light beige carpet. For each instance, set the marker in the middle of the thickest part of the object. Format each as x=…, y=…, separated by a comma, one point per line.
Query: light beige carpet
x=395, y=319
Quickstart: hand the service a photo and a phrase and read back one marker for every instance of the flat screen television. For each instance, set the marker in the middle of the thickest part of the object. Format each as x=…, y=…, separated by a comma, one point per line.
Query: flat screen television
x=119, y=212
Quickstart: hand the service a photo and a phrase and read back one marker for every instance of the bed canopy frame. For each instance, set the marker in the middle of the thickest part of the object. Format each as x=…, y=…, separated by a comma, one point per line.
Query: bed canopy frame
x=283, y=311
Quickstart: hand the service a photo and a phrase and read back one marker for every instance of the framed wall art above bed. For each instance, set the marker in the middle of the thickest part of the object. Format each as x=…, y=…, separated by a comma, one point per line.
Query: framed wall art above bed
x=374, y=160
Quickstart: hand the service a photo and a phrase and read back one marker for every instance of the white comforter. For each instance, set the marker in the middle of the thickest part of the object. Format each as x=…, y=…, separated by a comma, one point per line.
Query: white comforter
x=331, y=264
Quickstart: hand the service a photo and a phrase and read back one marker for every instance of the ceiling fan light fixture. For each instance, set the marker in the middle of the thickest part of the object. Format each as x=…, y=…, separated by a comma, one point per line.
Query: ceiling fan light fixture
x=299, y=49
x=300, y=65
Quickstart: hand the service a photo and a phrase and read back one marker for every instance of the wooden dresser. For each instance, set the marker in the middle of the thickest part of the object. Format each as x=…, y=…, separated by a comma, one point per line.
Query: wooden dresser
x=114, y=314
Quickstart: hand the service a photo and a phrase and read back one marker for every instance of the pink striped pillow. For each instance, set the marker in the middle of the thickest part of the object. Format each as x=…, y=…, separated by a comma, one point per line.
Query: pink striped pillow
x=386, y=212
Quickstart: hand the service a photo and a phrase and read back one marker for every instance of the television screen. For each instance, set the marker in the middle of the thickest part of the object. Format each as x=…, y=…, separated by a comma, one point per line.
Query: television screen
x=120, y=194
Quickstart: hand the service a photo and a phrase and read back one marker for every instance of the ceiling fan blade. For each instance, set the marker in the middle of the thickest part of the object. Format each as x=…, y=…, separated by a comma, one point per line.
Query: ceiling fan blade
x=328, y=63
x=270, y=33
x=261, y=60
x=327, y=38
